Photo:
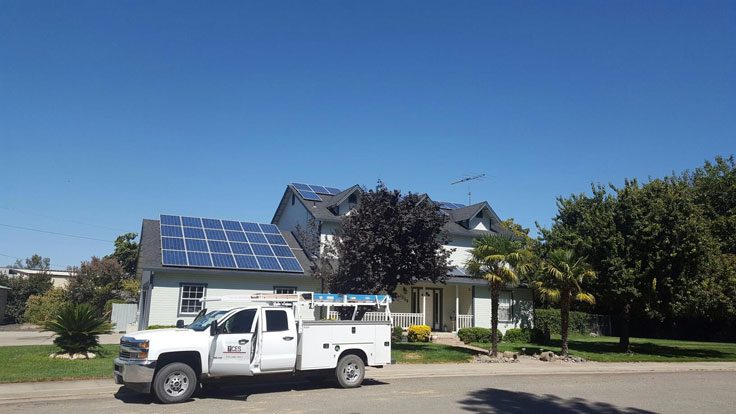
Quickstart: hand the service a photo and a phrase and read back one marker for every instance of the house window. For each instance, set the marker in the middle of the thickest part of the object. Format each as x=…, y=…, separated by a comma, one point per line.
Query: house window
x=480, y=214
x=337, y=210
x=415, y=300
x=293, y=199
x=284, y=290
x=353, y=198
x=189, y=298
x=505, y=307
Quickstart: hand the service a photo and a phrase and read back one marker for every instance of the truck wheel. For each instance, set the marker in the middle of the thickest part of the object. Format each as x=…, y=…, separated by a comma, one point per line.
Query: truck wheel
x=174, y=383
x=350, y=371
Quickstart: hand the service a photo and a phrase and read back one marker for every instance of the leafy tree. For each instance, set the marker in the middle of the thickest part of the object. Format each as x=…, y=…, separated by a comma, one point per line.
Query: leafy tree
x=41, y=308
x=97, y=281
x=500, y=260
x=126, y=252
x=388, y=240
x=23, y=287
x=35, y=262
x=561, y=279
x=77, y=328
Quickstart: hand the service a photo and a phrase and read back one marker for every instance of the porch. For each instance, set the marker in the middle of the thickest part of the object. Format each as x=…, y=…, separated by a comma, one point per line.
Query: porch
x=444, y=308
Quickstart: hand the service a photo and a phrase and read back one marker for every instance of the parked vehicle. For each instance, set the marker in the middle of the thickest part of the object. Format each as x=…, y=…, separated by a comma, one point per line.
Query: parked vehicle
x=267, y=337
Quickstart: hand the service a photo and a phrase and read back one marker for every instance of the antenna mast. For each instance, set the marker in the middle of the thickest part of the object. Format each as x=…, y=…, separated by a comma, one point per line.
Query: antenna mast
x=466, y=179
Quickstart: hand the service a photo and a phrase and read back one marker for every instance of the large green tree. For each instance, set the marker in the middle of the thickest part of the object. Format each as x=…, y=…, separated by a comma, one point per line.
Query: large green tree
x=126, y=252
x=23, y=287
x=561, y=279
x=98, y=281
x=390, y=239
x=500, y=260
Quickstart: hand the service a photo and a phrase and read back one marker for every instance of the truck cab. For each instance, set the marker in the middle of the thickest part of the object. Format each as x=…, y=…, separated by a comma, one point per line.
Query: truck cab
x=251, y=340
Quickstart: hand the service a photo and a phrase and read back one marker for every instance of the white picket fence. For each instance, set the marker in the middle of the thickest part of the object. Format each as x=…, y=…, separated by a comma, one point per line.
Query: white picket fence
x=403, y=320
x=464, y=321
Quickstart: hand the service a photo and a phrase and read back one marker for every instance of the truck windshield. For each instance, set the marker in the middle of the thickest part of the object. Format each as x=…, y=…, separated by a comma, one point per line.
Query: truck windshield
x=205, y=321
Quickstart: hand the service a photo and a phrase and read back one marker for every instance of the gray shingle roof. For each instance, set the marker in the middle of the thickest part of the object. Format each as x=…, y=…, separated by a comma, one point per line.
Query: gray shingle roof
x=149, y=256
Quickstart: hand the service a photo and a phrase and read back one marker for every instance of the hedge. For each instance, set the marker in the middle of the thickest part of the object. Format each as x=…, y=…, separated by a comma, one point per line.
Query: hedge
x=549, y=320
x=477, y=334
x=518, y=335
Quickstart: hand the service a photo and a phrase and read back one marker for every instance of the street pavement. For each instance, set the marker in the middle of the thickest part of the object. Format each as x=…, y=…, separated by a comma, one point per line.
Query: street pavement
x=444, y=388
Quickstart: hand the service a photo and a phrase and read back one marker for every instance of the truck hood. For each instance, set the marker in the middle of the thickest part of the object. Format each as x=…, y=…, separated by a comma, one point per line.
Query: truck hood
x=164, y=333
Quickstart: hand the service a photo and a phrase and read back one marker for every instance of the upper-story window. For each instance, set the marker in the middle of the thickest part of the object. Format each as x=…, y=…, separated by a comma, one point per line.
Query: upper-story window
x=353, y=198
x=480, y=214
x=293, y=199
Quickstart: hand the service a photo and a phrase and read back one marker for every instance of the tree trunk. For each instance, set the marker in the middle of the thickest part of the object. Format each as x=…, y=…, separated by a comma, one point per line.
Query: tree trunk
x=624, y=341
x=494, y=319
x=564, y=320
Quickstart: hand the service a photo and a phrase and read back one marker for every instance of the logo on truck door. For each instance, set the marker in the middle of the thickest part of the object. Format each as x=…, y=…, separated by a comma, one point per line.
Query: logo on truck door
x=234, y=348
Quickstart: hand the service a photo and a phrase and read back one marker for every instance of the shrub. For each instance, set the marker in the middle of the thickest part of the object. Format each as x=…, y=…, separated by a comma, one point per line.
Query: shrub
x=161, y=326
x=517, y=335
x=41, y=308
x=477, y=334
x=397, y=333
x=22, y=288
x=77, y=328
x=419, y=333
x=549, y=320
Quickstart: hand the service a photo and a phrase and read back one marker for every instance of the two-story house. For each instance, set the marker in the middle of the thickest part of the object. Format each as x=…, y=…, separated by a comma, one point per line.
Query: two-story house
x=183, y=259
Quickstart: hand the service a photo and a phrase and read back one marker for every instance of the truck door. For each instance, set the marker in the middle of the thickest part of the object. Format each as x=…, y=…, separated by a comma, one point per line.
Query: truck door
x=279, y=340
x=231, y=348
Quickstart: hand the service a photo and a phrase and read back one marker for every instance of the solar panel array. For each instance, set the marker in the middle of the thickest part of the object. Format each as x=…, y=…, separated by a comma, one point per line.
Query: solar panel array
x=311, y=192
x=449, y=206
x=224, y=244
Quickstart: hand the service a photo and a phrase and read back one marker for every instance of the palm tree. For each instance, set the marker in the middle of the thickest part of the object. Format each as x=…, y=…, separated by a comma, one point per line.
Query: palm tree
x=77, y=328
x=561, y=278
x=500, y=260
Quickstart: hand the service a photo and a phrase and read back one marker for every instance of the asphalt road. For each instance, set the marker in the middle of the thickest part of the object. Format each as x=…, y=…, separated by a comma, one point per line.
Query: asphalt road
x=681, y=392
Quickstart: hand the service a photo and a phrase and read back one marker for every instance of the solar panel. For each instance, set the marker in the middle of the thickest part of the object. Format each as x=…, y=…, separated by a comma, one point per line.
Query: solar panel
x=449, y=206
x=311, y=192
x=224, y=244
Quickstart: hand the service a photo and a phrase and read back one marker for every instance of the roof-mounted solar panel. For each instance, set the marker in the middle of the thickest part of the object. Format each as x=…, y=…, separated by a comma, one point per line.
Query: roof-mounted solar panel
x=449, y=206
x=311, y=191
x=224, y=244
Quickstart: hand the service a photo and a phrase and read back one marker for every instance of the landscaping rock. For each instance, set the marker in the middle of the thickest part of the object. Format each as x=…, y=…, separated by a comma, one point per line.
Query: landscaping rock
x=547, y=356
x=510, y=355
x=487, y=359
x=88, y=355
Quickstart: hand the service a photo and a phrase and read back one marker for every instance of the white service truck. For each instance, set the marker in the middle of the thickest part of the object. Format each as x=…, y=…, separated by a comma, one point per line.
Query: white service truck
x=266, y=337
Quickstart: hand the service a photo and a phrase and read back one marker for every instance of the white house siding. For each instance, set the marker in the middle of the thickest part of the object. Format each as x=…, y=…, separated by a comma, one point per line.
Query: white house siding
x=293, y=215
x=164, y=301
x=521, y=308
x=461, y=254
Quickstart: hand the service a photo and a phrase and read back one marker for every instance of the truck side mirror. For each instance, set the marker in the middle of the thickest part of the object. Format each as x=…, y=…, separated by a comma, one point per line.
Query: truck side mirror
x=180, y=323
x=213, y=328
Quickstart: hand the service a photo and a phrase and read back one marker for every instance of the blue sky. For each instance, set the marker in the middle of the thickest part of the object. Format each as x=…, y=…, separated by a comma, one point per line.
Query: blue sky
x=115, y=111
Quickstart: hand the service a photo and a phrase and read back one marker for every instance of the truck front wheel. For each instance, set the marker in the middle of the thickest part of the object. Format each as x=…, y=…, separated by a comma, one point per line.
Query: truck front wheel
x=174, y=383
x=350, y=371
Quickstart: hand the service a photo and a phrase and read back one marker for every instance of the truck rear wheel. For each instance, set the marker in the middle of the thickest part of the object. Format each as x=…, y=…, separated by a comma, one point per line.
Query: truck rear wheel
x=174, y=383
x=350, y=371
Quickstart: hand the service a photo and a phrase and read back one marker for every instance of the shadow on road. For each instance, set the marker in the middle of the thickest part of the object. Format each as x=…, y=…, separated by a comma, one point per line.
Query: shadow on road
x=491, y=400
x=240, y=390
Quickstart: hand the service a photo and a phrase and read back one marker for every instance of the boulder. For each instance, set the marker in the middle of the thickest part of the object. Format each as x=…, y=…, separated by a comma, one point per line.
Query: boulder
x=510, y=355
x=547, y=356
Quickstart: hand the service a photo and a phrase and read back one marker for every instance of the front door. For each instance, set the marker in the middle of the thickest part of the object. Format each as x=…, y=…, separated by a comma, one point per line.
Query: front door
x=278, y=351
x=230, y=353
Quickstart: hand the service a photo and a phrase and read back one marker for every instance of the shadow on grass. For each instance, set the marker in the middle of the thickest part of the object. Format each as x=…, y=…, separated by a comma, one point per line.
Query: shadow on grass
x=491, y=400
x=239, y=389
x=645, y=348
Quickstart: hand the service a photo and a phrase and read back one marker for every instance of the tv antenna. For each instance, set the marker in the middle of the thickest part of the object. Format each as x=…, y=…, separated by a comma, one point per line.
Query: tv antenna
x=467, y=179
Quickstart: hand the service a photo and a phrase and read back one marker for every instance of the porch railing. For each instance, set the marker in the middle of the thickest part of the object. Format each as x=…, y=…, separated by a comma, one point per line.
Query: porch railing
x=464, y=321
x=400, y=319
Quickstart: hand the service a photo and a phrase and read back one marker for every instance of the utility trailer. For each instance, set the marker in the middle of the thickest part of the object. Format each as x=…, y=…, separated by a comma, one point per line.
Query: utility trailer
x=267, y=336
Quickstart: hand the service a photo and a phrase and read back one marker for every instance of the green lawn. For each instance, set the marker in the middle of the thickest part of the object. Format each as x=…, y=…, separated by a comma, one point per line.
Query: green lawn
x=428, y=353
x=605, y=349
x=32, y=363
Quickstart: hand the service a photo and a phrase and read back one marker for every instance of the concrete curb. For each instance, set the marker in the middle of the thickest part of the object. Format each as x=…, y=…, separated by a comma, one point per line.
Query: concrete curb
x=83, y=389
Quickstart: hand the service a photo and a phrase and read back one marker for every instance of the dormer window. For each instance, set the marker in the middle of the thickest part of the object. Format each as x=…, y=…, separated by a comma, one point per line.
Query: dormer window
x=353, y=199
x=480, y=214
x=337, y=210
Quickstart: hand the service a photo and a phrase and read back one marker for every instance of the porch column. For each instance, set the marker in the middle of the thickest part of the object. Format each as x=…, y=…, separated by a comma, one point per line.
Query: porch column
x=457, y=310
x=424, y=308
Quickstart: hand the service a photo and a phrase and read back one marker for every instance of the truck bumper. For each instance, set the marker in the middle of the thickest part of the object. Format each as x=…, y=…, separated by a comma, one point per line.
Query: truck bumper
x=136, y=375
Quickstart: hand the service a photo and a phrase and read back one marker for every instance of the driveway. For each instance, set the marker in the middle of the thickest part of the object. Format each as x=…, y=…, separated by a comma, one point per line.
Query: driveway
x=670, y=392
x=26, y=337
